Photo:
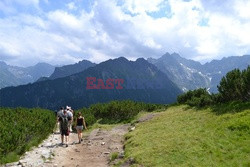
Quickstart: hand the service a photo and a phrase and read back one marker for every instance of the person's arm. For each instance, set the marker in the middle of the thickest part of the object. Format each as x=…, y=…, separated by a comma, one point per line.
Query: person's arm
x=75, y=123
x=83, y=120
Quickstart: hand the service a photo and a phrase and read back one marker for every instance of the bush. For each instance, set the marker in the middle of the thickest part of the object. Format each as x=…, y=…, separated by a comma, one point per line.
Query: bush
x=235, y=86
x=199, y=97
x=116, y=111
x=22, y=128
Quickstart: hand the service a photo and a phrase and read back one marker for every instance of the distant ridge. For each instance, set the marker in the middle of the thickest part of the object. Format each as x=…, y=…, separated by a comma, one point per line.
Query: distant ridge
x=190, y=74
x=142, y=82
x=68, y=70
x=14, y=75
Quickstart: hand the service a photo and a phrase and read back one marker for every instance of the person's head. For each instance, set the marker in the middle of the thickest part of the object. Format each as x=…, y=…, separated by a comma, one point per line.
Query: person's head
x=79, y=114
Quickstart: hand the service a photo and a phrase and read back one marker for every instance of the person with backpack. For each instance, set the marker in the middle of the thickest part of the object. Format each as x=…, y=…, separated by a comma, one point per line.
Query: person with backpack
x=59, y=114
x=65, y=120
x=71, y=113
x=79, y=125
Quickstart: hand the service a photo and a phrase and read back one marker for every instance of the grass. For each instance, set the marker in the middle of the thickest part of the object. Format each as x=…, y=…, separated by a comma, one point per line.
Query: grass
x=113, y=156
x=183, y=136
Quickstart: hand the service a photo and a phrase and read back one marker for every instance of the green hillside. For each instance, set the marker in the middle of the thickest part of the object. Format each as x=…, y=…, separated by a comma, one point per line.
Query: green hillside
x=22, y=128
x=184, y=136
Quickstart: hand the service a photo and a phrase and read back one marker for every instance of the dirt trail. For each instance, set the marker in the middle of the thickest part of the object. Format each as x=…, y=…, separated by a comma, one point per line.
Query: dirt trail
x=94, y=151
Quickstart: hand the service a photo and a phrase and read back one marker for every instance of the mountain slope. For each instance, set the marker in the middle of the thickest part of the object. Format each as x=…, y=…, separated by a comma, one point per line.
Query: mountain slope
x=13, y=75
x=68, y=70
x=182, y=136
x=189, y=74
x=185, y=73
x=216, y=69
x=142, y=82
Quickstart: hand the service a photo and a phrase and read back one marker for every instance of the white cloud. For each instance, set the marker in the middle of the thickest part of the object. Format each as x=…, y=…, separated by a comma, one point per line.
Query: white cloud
x=141, y=6
x=242, y=9
x=71, y=6
x=197, y=29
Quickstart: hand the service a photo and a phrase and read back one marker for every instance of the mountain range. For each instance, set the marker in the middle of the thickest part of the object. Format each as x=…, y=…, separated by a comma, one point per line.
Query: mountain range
x=68, y=70
x=152, y=80
x=141, y=81
x=14, y=75
x=189, y=74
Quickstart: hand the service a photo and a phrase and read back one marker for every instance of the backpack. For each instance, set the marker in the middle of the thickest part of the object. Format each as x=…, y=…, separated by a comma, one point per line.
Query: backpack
x=64, y=123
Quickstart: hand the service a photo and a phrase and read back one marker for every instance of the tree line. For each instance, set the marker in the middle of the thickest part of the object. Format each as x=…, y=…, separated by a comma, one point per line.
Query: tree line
x=116, y=111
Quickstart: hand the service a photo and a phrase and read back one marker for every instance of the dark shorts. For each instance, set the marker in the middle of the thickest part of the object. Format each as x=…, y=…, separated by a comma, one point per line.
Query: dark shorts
x=65, y=132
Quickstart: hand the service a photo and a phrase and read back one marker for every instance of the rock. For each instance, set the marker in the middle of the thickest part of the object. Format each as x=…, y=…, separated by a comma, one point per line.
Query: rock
x=121, y=154
x=47, y=161
x=106, y=153
x=132, y=129
x=12, y=164
x=22, y=163
x=131, y=160
x=98, y=138
x=102, y=143
x=72, y=158
x=55, y=165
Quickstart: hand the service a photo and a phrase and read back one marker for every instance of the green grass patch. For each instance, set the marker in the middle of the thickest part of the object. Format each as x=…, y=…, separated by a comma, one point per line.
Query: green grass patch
x=114, y=156
x=183, y=136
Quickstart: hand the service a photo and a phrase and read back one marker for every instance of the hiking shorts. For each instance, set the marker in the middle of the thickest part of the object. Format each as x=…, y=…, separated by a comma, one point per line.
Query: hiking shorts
x=65, y=132
x=79, y=127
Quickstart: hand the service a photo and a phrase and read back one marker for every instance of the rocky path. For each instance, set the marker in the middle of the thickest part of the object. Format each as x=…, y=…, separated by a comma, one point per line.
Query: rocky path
x=94, y=151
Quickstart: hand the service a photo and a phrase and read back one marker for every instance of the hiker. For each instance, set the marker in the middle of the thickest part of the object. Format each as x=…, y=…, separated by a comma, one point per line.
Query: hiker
x=79, y=125
x=71, y=113
x=59, y=114
x=65, y=119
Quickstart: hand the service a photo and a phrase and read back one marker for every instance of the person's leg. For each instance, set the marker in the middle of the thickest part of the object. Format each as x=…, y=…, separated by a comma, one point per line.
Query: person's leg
x=67, y=137
x=80, y=135
x=62, y=137
x=67, y=140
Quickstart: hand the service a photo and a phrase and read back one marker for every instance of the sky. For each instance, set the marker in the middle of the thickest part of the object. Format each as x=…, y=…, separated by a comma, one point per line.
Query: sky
x=65, y=32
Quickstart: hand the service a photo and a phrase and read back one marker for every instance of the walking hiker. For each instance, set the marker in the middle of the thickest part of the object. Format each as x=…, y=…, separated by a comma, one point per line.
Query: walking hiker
x=65, y=119
x=71, y=113
x=79, y=125
x=59, y=114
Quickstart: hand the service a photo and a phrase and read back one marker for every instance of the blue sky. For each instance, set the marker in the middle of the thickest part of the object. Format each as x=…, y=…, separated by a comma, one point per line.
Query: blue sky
x=66, y=31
